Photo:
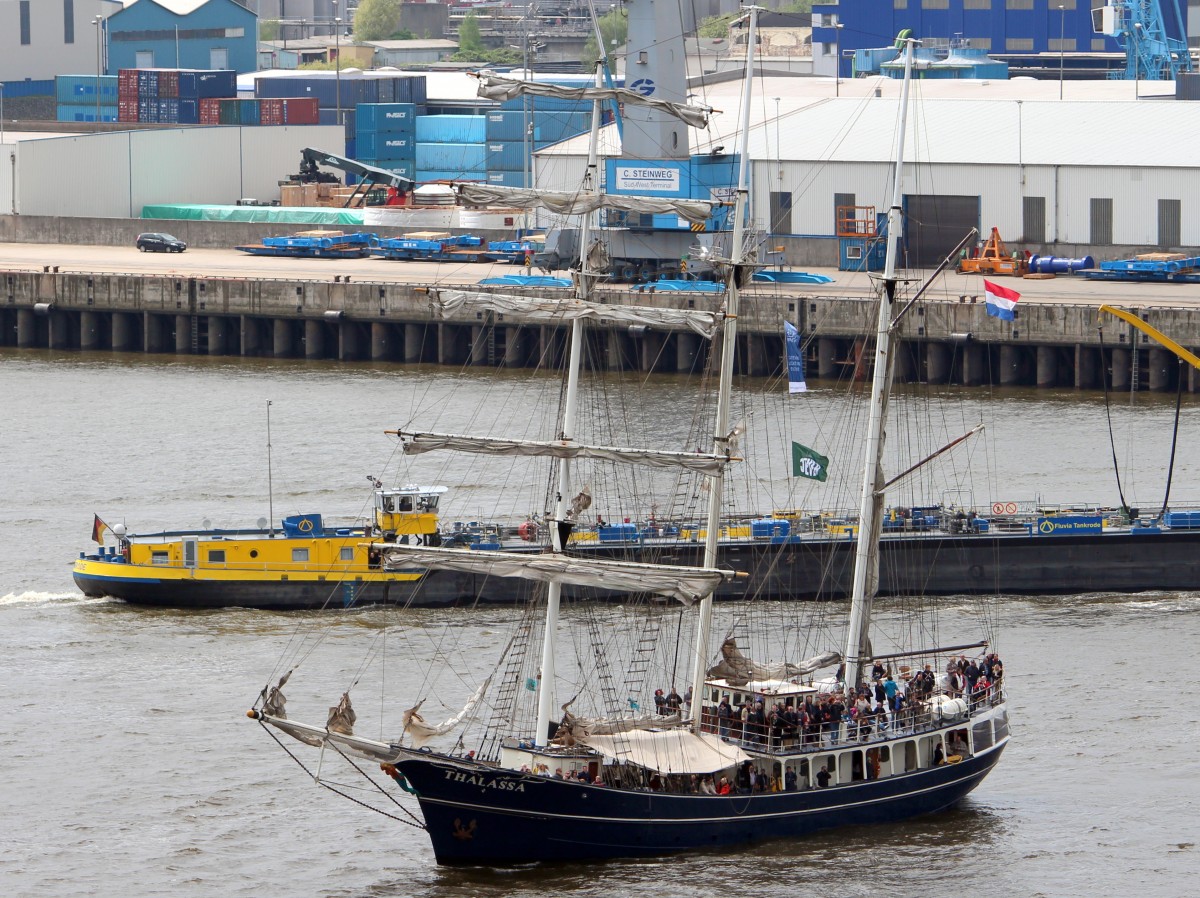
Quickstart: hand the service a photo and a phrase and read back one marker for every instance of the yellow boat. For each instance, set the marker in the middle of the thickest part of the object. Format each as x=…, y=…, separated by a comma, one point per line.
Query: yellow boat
x=303, y=564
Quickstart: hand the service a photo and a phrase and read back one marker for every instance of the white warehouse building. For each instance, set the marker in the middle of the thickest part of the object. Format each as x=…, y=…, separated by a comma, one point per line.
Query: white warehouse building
x=1105, y=167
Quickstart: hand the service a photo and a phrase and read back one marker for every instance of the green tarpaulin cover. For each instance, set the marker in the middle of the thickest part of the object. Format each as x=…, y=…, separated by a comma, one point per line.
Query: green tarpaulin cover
x=280, y=214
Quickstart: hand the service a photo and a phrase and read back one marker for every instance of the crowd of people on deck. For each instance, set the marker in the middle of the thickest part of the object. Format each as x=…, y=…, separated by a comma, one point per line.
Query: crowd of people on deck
x=872, y=710
x=878, y=707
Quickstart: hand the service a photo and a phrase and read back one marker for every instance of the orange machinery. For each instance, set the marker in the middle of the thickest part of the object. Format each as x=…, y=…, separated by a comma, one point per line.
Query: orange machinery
x=993, y=258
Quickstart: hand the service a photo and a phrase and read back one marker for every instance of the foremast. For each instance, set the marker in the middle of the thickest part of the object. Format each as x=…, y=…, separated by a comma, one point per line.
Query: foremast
x=721, y=435
x=870, y=516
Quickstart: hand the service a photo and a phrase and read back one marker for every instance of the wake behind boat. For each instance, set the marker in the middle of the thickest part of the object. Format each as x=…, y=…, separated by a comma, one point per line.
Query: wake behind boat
x=879, y=736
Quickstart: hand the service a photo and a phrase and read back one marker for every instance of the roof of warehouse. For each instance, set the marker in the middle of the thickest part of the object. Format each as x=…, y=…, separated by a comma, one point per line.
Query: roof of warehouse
x=968, y=122
x=179, y=7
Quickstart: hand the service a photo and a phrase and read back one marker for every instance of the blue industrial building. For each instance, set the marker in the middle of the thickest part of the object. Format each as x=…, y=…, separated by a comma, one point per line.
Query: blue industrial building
x=183, y=34
x=1001, y=28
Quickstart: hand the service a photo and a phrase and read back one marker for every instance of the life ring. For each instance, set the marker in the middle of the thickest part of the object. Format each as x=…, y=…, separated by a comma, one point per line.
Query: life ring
x=528, y=531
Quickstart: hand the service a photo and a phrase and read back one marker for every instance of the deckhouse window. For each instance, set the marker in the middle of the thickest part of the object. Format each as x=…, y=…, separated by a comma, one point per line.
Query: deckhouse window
x=159, y=558
x=299, y=554
x=216, y=556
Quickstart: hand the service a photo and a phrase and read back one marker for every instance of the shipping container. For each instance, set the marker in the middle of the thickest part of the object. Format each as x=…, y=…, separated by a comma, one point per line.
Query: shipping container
x=199, y=84
x=402, y=89
x=168, y=110
x=549, y=104
x=210, y=110
x=189, y=112
x=147, y=82
x=505, y=124
x=168, y=84
x=545, y=127
x=458, y=157
x=387, y=118
x=332, y=116
x=300, y=111
x=429, y=174
x=403, y=169
x=351, y=92
x=82, y=89
x=506, y=178
x=127, y=82
x=270, y=112
x=231, y=112
x=466, y=129
x=386, y=146
x=86, y=112
x=506, y=155
x=127, y=109
x=247, y=112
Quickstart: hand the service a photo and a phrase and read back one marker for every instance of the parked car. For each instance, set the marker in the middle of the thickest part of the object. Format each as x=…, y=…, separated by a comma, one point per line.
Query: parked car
x=160, y=243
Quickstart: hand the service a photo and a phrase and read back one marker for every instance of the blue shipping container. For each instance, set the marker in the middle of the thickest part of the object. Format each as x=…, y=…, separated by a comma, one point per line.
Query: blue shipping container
x=387, y=118
x=551, y=127
x=451, y=129
x=506, y=178
x=168, y=111
x=458, y=157
x=78, y=89
x=427, y=174
x=506, y=124
x=199, y=84
x=401, y=89
x=352, y=90
x=386, y=146
x=507, y=155
x=29, y=88
x=330, y=117
x=403, y=169
x=85, y=112
x=248, y=113
x=551, y=104
x=189, y=112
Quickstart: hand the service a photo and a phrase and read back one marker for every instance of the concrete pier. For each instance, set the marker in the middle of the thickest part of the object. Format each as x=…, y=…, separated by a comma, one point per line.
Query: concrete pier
x=388, y=322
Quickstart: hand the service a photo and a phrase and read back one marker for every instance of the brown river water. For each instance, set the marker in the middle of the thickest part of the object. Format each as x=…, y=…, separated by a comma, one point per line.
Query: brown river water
x=129, y=769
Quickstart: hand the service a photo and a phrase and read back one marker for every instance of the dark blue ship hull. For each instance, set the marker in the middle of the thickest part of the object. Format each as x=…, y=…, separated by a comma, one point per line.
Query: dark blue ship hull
x=480, y=815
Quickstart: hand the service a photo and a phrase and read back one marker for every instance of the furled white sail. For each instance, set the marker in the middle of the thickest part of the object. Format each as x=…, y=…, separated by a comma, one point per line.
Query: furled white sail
x=737, y=669
x=420, y=732
x=496, y=88
x=370, y=749
x=534, y=308
x=416, y=443
x=696, y=211
x=683, y=583
x=669, y=751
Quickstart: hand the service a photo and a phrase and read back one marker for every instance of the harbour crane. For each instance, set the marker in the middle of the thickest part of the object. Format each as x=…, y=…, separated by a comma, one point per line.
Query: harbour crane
x=1139, y=27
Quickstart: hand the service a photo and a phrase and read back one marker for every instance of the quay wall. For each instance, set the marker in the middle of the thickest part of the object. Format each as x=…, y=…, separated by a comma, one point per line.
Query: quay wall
x=942, y=341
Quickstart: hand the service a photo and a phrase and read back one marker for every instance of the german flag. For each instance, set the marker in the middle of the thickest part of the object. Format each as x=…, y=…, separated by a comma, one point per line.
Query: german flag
x=99, y=528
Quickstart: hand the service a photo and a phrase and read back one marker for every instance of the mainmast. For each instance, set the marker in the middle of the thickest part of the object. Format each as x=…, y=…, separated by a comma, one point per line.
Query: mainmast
x=870, y=516
x=560, y=530
x=725, y=381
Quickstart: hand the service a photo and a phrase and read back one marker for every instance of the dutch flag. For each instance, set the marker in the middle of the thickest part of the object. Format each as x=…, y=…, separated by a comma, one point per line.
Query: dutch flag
x=1001, y=301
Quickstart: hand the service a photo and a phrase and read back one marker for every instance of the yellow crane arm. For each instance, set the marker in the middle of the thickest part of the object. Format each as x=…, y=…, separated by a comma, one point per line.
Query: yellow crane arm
x=1155, y=334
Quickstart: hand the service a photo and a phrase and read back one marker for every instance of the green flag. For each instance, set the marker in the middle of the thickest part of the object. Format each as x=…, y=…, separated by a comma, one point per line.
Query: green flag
x=806, y=463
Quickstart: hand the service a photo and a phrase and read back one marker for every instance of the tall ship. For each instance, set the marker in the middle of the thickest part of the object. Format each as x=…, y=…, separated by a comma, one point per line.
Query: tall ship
x=575, y=764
